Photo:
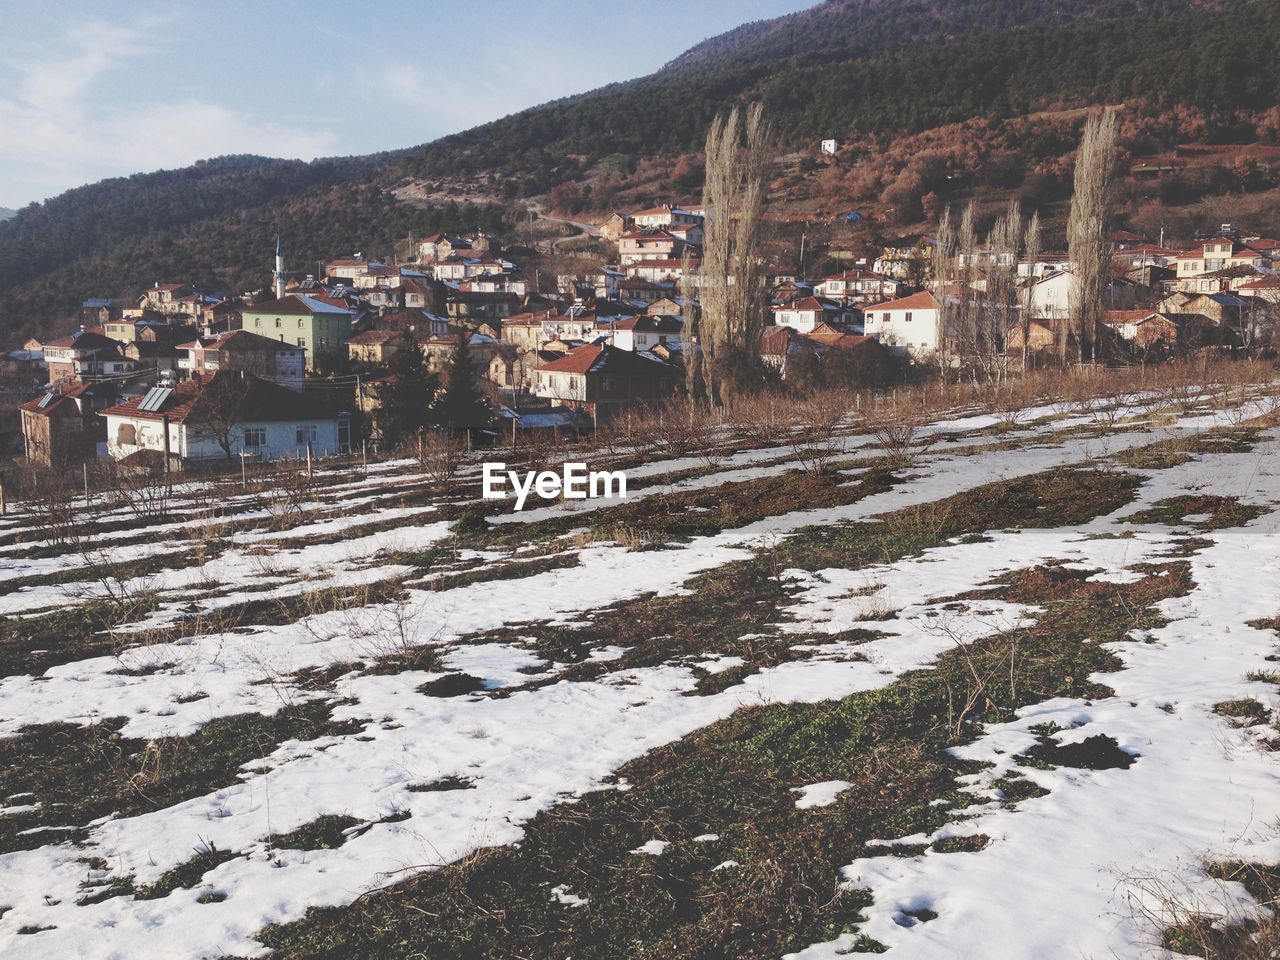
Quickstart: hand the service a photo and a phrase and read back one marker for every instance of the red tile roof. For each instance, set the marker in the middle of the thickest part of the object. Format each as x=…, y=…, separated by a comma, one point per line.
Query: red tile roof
x=917, y=301
x=264, y=402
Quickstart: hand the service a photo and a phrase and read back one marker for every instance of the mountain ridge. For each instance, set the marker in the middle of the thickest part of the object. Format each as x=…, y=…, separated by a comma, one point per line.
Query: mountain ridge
x=853, y=69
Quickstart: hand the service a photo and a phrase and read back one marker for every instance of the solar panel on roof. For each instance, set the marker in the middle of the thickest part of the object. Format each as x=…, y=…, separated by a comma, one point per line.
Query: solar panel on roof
x=47, y=399
x=154, y=399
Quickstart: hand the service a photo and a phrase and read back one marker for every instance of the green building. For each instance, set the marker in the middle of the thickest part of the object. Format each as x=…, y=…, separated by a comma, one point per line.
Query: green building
x=313, y=323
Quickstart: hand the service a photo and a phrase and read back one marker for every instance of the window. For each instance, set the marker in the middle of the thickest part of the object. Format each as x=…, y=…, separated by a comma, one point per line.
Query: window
x=299, y=323
x=255, y=437
x=304, y=435
x=606, y=384
x=279, y=323
x=126, y=434
x=302, y=341
x=573, y=383
x=257, y=322
x=908, y=316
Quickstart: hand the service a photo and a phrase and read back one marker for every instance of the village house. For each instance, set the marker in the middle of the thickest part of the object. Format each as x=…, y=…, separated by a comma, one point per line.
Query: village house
x=256, y=418
x=615, y=225
x=669, y=306
x=600, y=379
x=524, y=330
x=1042, y=336
x=907, y=258
x=1222, y=308
x=906, y=325
x=645, y=332
x=86, y=355
x=805, y=314
x=1224, y=252
x=661, y=269
x=61, y=427
x=422, y=322
x=664, y=216
x=314, y=323
x=1143, y=255
x=1265, y=288
x=1046, y=263
x=481, y=305
x=97, y=311
x=461, y=267
x=642, y=291
x=164, y=298
x=692, y=234
x=131, y=330
x=859, y=286
x=578, y=323
x=1050, y=296
x=349, y=268
x=374, y=347
x=440, y=246
x=648, y=245
x=438, y=351
x=248, y=352
x=1149, y=331
x=779, y=345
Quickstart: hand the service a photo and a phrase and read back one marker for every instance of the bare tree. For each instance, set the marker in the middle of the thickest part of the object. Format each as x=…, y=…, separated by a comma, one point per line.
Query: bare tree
x=1031, y=245
x=690, y=352
x=944, y=255
x=1000, y=300
x=965, y=322
x=733, y=276
x=1087, y=230
x=220, y=409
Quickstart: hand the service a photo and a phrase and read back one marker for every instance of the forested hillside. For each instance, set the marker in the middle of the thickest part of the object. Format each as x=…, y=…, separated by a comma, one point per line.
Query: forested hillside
x=866, y=71
x=863, y=66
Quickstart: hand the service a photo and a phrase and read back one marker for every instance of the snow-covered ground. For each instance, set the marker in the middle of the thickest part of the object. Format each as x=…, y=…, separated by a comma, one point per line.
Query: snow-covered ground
x=1201, y=789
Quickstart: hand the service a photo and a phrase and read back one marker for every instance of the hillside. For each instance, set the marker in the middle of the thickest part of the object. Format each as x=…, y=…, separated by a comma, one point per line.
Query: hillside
x=868, y=71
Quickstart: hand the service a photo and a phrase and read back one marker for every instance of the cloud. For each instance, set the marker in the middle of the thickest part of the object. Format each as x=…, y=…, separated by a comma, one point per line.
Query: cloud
x=58, y=129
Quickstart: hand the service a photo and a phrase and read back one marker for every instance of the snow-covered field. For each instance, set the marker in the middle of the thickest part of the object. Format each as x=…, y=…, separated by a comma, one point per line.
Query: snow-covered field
x=1054, y=878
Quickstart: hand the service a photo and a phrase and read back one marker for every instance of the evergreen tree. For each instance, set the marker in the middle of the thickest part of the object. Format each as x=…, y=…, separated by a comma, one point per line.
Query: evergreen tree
x=463, y=406
x=407, y=397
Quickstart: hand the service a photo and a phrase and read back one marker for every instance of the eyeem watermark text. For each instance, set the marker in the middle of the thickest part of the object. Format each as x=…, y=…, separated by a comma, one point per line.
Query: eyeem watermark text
x=575, y=482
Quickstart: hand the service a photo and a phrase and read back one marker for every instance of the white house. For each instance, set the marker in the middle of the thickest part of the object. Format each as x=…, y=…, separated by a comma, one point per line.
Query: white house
x=859, y=285
x=805, y=314
x=906, y=325
x=1050, y=297
x=255, y=417
x=645, y=333
x=830, y=147
x=246, y=351
x=664, y=216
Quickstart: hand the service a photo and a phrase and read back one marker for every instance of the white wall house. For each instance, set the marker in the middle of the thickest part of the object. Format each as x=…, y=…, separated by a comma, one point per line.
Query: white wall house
x=645, y=333
x=274, y=423
x=804, y=315
x=909, y=325
x=1050, y=296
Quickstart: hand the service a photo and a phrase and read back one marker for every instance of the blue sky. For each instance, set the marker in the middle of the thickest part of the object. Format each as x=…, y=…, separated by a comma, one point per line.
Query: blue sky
x=92, y=89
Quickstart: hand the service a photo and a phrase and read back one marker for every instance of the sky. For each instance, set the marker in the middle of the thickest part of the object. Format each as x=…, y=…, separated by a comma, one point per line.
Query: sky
x=100, y=88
